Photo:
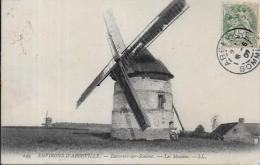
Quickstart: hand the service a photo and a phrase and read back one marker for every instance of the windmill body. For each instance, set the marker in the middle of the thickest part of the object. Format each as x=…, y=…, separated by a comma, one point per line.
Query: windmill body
x=151, y=81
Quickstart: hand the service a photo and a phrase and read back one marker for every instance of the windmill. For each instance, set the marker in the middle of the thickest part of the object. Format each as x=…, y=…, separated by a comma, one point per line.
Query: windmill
x=48, y=121
x=142, y=104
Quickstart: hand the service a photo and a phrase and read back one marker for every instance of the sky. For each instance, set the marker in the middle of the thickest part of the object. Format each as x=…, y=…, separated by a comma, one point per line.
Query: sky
x=53, y=49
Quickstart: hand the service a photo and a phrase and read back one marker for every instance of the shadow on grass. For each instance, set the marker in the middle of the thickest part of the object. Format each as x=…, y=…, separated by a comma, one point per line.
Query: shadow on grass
x=105, y=136
x=48, y=140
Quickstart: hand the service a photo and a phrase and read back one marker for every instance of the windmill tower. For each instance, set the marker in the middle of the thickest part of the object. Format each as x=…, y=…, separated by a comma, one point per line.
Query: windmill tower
x=48, y=121
x=142, y=103
x=151, y=81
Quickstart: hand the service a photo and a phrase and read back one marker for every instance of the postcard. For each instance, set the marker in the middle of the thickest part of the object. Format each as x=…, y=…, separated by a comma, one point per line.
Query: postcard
x=130, y=82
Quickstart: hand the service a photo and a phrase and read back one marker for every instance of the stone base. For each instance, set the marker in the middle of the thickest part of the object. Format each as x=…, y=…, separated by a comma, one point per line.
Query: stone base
x=137, y=134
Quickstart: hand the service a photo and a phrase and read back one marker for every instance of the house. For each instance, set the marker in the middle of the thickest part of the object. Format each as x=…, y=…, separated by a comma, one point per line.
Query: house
x=238, y=132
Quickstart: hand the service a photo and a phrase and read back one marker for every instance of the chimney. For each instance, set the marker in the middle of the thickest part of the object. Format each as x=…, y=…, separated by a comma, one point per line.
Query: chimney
x=241, y=120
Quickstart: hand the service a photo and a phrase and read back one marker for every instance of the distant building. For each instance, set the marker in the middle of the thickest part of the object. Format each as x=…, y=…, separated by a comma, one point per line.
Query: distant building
x=48, y=121
x=238, y=132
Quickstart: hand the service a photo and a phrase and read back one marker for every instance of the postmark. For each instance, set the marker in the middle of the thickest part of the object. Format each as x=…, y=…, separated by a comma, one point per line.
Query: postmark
x=236, y=51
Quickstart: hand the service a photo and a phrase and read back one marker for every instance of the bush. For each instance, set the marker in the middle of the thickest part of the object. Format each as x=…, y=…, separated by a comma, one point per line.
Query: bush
x=199, y=129
x=199, y=132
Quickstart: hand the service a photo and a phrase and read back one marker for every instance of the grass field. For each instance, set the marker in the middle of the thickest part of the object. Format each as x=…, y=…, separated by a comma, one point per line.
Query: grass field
x=20, y=139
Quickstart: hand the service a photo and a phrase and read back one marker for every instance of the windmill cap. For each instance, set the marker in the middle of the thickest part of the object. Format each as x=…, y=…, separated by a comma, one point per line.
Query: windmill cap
x=145, y=65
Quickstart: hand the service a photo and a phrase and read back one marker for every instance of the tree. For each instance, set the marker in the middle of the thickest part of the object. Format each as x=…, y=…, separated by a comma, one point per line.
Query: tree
x=199, y=130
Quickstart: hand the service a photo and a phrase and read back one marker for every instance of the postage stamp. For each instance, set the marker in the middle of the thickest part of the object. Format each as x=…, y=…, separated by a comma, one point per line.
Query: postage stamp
x=240, y=16
x=237, y=49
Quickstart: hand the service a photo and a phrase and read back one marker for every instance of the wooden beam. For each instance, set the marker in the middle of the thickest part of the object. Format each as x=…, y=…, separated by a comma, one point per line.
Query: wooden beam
x=178, y=117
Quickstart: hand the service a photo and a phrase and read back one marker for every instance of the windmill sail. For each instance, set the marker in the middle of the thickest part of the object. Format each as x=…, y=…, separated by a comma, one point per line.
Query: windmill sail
x=97, y=81
x=113, y=30
x=160, y=23
x=143, y=40
x=129, y=91
x=120, y=46
x=117, y=47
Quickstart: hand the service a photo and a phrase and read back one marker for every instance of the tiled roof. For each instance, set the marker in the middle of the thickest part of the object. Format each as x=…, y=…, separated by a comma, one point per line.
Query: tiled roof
x=253, y=128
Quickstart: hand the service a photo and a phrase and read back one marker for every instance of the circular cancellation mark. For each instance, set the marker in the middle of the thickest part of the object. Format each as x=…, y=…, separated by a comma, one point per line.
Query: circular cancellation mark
x=237, y=51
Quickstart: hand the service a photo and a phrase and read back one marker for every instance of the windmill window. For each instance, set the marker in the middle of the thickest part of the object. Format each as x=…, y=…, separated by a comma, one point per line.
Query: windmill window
x=161, y=101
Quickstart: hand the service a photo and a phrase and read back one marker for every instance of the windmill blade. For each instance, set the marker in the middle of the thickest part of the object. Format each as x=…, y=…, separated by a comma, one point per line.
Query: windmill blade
x=97, y=81
x=129, y=91
x=131, y=97
x=160, y=23
x=117, y=46
x=113, y=30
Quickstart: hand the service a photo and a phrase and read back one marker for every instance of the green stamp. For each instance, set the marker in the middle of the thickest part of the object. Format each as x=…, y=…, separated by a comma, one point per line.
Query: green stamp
x=240, y=16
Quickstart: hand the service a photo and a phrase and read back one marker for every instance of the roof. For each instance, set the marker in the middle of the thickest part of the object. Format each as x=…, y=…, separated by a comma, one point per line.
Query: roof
x=223, y=128
x=253, y=128
x=146, y=65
